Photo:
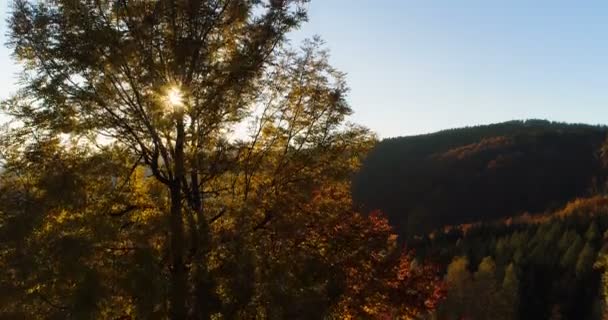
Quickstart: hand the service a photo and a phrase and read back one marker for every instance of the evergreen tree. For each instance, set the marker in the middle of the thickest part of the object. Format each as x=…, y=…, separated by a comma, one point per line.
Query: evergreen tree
x=459, y=281
x=510, y=294
x=602, y=265
x=566, y=240
x=592, y=233
x=585, y=260
x=502, y=251
x=534, y=284
x=570, y=257
x=486, y=300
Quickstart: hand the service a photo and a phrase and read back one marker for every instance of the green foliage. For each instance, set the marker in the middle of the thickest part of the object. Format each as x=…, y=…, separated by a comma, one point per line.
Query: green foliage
x=485, y=284
x=602, y=265
x=61, y=248
x=510, y=294
x=585, y=260
x=479, y=295
x=571, y=255
x=528, y=268
x=458, y=280
x=592, y=233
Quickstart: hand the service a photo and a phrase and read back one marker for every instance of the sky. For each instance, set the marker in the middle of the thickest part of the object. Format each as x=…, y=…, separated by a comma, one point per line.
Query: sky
x=421, y=66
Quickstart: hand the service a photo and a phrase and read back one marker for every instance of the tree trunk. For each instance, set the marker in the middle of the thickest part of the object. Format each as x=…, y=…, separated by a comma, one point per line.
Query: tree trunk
x=178, y=294
x=204, y=298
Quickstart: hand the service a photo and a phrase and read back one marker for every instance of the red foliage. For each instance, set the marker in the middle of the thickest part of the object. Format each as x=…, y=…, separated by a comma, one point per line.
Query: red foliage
x=383, y=281
x=373, y=277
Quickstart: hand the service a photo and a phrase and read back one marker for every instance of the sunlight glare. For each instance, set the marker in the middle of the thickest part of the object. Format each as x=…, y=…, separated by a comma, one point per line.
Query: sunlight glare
x=174, y=97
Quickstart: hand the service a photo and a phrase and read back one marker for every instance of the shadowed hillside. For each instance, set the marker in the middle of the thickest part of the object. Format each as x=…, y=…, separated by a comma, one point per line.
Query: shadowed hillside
x=479, y=173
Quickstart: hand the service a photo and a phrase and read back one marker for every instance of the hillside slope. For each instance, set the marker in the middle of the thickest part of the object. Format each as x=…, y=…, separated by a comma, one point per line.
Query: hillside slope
x=527, y=267
x=479, y=173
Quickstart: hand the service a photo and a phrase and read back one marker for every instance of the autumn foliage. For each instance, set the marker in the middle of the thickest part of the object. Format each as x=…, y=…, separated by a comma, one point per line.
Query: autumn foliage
x=182, y=160
x=383, y=280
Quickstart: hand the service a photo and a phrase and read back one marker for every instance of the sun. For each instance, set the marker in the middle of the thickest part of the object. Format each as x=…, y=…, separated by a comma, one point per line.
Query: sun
x=174, y=97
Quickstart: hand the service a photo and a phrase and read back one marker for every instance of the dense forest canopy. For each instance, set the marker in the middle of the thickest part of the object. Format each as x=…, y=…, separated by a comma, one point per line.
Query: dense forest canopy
x=527, y=267
x=479, y=173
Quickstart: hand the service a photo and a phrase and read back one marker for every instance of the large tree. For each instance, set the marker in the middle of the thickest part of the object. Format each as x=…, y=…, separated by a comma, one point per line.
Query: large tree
x=244, y=137
x=167, y=80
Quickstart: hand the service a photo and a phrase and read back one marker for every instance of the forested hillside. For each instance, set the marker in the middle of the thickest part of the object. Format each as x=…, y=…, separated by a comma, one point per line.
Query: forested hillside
x=479, y=173
x=527, y=267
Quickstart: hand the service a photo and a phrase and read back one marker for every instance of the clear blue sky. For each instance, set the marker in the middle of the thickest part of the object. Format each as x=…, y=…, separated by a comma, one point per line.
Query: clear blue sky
x=421, y=66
